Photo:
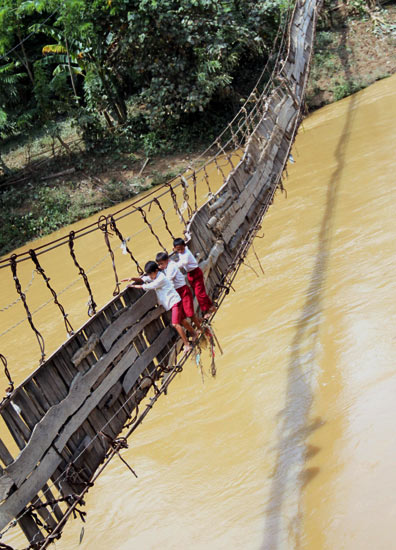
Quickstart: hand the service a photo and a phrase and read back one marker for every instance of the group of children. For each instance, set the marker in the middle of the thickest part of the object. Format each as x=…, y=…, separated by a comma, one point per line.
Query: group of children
x=164, y=276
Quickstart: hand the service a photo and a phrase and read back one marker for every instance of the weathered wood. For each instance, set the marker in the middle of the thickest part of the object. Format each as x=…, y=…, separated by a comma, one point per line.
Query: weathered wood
x=140, y=364
x=94, y=382
x=45, y=431
x=18, y=500
x=85, y=350
x=131, y=316
x=6, y=483
x=5, y=455
x=29, y=527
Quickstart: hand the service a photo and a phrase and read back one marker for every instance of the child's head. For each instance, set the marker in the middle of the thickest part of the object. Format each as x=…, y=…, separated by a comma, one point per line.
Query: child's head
x=179, y=245
x=162, y=259
x=151, y=269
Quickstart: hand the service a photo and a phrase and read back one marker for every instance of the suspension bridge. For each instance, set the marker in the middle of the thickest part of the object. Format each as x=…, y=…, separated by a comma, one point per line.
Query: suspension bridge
x=76, y=411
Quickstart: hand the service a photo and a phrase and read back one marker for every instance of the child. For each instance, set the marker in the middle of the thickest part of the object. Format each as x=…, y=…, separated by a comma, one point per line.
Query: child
x=167, y=297
x=174, y=274
x=194, y=277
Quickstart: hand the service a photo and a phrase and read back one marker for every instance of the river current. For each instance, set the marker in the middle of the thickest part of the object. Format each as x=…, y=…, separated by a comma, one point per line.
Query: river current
x=292, y=445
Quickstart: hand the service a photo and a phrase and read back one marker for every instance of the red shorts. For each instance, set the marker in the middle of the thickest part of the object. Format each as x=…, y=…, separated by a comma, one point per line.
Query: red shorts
x=196, y=280
x=187, y=300
x=178, y=313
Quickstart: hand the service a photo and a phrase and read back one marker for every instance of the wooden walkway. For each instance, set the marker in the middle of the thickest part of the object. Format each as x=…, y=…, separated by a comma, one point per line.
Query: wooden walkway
x=67, y=415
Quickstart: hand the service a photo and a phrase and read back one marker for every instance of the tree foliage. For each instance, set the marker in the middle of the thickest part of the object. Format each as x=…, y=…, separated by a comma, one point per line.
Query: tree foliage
x=147, y=66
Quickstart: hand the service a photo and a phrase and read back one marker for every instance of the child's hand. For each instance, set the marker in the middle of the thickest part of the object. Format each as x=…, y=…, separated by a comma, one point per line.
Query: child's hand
x=125, y=280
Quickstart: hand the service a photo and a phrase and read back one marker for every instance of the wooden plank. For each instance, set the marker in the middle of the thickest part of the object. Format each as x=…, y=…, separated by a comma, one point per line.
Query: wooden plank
x=85, y=350
x=46, y=430
x=30, y=529
x=140, y=364
x=133, y=314
x=18, y=500
x=37, y=397
x=19, y=431
x=6, y=483
x=5, y=455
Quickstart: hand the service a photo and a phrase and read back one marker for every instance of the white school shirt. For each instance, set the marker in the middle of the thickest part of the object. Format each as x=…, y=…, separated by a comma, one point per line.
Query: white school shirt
x=166, y=294
x=174, y=274
x=187, y=260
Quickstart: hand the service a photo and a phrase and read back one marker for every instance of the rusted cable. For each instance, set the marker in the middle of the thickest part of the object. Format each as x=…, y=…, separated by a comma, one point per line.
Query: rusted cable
x=144, y=216
x=186, y=196
x=10, y=388
x=103, y=223
x=175, y=205
x=114, y=228
x=91, y=303
x=157, y=202
x=39, y=269
x=39, y=337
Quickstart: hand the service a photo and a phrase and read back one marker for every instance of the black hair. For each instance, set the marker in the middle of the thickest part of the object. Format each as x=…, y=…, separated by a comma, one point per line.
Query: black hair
x=151, y=267
x=179, y=242
x=161, y=257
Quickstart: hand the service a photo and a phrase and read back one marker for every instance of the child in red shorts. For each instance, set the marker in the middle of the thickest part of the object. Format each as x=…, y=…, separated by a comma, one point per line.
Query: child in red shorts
x=167, y=297
x=194, y=277
x=174, y=274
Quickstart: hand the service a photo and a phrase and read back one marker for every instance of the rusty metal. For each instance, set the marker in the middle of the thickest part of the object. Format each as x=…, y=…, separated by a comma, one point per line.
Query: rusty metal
x=10, y=388
x=39, y=337
x=144, y=216
x=91, y=303
x=113, y=227
x=39, y=269
x=103, y=223
x=175, y=205
x=157, y=202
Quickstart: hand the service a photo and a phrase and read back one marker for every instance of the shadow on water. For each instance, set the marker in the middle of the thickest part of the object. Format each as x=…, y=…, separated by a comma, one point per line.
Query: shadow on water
x=283, y=514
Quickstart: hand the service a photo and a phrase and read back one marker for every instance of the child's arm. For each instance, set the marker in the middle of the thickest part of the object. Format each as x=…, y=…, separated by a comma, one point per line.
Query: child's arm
x=137, y=280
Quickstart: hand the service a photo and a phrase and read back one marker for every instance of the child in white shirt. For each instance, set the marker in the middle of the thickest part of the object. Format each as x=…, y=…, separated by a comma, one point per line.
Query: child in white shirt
x=194, y=277
x=174, y=274
x=167, y=297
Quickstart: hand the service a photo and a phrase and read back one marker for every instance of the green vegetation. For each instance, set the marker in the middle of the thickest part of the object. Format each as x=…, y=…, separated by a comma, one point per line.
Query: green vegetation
x=101, y=85
x=135, y=71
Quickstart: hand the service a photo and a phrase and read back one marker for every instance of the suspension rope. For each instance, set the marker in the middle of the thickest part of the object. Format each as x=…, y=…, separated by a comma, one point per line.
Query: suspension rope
x=114, y=228
x=12, y=304
x=91, y=303
x=10, y=388
x=18, y=287
x=144, y=216
x=39, y=269
x=157, y=202
x=103, y=223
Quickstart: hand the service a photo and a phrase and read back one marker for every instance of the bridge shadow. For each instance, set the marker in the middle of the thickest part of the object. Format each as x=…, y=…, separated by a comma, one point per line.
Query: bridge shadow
x=283, y=512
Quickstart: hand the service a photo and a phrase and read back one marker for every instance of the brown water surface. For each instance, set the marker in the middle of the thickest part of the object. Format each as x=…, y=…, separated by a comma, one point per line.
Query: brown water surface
x=292, y=446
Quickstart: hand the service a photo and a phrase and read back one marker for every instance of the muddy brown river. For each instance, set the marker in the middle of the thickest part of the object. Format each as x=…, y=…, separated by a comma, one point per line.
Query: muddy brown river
x=293, y=445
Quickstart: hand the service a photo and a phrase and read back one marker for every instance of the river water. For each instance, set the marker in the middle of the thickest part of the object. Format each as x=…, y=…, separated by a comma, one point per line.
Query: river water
x=292, y=446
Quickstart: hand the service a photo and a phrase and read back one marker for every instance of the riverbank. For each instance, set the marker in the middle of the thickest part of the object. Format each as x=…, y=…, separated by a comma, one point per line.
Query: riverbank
x=55, y=183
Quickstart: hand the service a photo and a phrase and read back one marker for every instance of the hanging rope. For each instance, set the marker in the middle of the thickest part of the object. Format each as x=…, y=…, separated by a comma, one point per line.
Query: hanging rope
x=157, y=202
x=91, y=303
x=114, y=228
x=194, y=178
x=207, y=180
x=144, y=216
x=39, y=337
x=12, y=304
x=186, y=196
x=175, y=205
x=103, y=223
x=39, y=269
x=226, y=154
x=10, y=388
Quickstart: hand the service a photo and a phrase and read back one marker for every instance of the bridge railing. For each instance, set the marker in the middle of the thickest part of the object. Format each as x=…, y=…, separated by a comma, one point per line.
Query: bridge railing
x=66, y=417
